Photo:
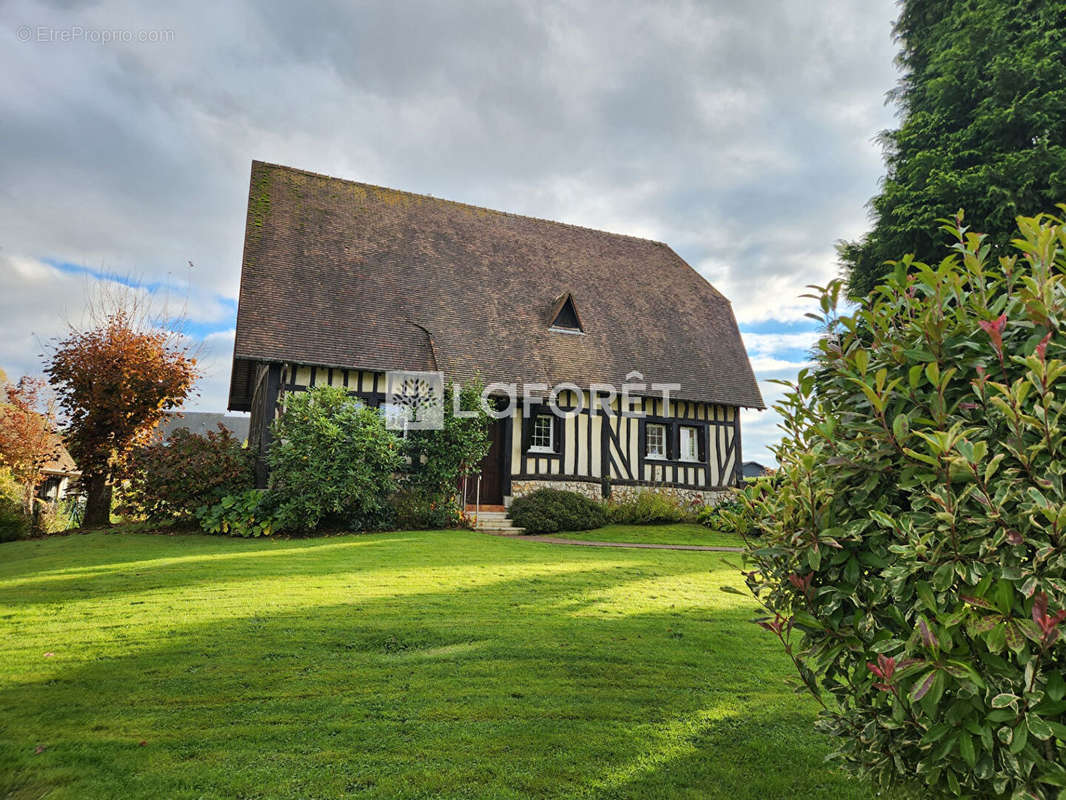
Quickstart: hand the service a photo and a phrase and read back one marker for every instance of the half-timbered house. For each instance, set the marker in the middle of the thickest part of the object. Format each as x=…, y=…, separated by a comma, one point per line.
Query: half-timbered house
x=342, y=282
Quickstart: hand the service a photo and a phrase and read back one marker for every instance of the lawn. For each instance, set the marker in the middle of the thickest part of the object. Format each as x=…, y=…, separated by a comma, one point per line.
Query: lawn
x=401, y=665
x=680, y=533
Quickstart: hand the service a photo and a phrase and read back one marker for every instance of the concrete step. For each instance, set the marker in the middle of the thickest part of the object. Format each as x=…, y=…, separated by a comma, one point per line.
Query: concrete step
x=503, y=531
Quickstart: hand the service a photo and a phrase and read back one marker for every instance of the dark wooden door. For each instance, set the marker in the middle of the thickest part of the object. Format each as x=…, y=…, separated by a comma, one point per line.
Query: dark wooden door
x=492, y=468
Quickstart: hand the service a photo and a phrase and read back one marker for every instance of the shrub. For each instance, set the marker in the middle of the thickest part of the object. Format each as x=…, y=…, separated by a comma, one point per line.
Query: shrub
x=436, y=460
x=913, y=559
x=172, y=479
x=721, y=517
x=332, y=463
x=552, y=510
x=416, y=510
x=14, y=522
x=649, y=507
x=248, y=514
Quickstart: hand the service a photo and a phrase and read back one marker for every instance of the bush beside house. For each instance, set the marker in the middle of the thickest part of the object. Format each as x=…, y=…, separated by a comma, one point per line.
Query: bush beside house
x=649, y=507
x=553, y=510
x=171, y=479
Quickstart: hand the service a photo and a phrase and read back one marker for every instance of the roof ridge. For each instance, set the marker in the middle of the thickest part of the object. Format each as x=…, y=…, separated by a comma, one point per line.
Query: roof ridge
x=459, y=203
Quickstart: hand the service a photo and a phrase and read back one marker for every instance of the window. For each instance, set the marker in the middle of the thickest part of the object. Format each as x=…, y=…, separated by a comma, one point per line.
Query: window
x=690, y=447
x=541, y=437
x=656, y=436
x=564, y=316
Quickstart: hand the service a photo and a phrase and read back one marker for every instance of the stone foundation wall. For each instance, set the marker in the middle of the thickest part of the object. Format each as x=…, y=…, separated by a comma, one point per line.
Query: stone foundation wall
x=587, y=488
x=593, y=490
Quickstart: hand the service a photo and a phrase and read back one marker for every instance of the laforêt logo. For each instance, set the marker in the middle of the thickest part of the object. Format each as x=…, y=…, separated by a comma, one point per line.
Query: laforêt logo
x=414, y=400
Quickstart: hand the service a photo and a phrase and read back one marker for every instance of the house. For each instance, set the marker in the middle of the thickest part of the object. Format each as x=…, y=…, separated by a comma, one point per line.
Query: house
x=59, y=472
x=200, y=422
x=343, y=282
x=751, y=470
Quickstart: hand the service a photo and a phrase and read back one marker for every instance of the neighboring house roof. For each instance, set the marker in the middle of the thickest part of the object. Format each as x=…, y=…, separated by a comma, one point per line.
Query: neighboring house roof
x=62, y=462
x=344, y=274
x=201, y=422
x=753, y=469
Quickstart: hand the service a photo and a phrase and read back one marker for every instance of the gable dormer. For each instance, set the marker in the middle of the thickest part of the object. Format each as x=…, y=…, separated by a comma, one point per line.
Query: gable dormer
x=564, y=316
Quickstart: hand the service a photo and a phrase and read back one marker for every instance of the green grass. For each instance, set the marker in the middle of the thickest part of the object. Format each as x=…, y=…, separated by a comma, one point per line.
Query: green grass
x=681, y=533
x=401, y=665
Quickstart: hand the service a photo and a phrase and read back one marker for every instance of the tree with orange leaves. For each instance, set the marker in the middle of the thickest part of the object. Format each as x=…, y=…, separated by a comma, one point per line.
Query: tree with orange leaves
x=114, y=381
x=27, y=434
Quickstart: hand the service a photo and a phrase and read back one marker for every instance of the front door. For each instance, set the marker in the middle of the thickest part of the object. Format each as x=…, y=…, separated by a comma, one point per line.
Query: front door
x=492, y=467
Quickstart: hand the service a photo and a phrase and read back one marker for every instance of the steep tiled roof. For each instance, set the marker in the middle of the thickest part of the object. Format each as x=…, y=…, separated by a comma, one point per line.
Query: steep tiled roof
x=344, y=274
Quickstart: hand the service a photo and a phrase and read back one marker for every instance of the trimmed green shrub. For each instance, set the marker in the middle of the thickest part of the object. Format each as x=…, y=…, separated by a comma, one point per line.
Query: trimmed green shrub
x=913, y=557
x=650, y=507
x=248, y=514
x=553, y=510
x=172, y=479
x=333, y=463
x=14, y=522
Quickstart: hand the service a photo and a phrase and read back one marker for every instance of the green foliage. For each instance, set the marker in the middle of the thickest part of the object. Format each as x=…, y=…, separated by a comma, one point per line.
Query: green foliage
x=720, y=517
x=983, y=102
x=438, y=459
x=172, y=479
x=553, y=510
x=14, y=522
x=649, y=507
x=248, y=514
x=416, y=510
x=332, y=463
x=913, y=556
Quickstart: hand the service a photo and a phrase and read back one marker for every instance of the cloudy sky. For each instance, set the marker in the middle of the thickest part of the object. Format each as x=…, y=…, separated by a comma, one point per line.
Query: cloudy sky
x=739, y=133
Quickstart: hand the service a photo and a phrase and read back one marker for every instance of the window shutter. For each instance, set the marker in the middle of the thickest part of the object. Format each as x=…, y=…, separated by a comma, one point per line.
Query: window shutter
x=701, y=443
x=559, y=433
x=672, y=433
x=527, y=428
x=642, y=439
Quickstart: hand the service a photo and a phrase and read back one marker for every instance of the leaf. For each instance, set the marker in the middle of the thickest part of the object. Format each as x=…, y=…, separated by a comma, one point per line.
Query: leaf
x=966, y=749
x=925, y=594
x=922, y=686
x=1005, y=699
x=1038, y=727
x=1021, y=738
x=1055, y=686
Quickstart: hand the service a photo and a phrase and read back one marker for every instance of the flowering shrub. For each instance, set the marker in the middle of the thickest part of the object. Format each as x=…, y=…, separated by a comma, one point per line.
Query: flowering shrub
x=913, y=554
x=175, y=477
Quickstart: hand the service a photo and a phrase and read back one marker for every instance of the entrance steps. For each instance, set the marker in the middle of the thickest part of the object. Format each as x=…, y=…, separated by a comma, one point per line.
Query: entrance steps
x=494, y=519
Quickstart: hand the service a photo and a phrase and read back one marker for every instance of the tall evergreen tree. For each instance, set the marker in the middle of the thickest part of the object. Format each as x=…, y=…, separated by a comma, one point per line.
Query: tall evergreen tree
x=983, y=127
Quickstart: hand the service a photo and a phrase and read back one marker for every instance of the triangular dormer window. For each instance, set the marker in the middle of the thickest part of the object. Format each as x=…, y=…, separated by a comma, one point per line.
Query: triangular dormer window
x=564, y=315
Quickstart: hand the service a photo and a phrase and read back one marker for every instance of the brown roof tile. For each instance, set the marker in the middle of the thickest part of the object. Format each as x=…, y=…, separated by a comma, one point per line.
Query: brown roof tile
x=345, y=274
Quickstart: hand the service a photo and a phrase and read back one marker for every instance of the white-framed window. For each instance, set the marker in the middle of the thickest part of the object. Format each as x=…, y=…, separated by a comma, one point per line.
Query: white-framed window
x=690, y=444
x=542, y=434
x=656, y=437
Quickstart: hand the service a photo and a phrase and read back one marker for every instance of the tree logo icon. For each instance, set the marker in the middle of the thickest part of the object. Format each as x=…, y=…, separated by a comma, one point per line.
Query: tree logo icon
x=414, y=400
